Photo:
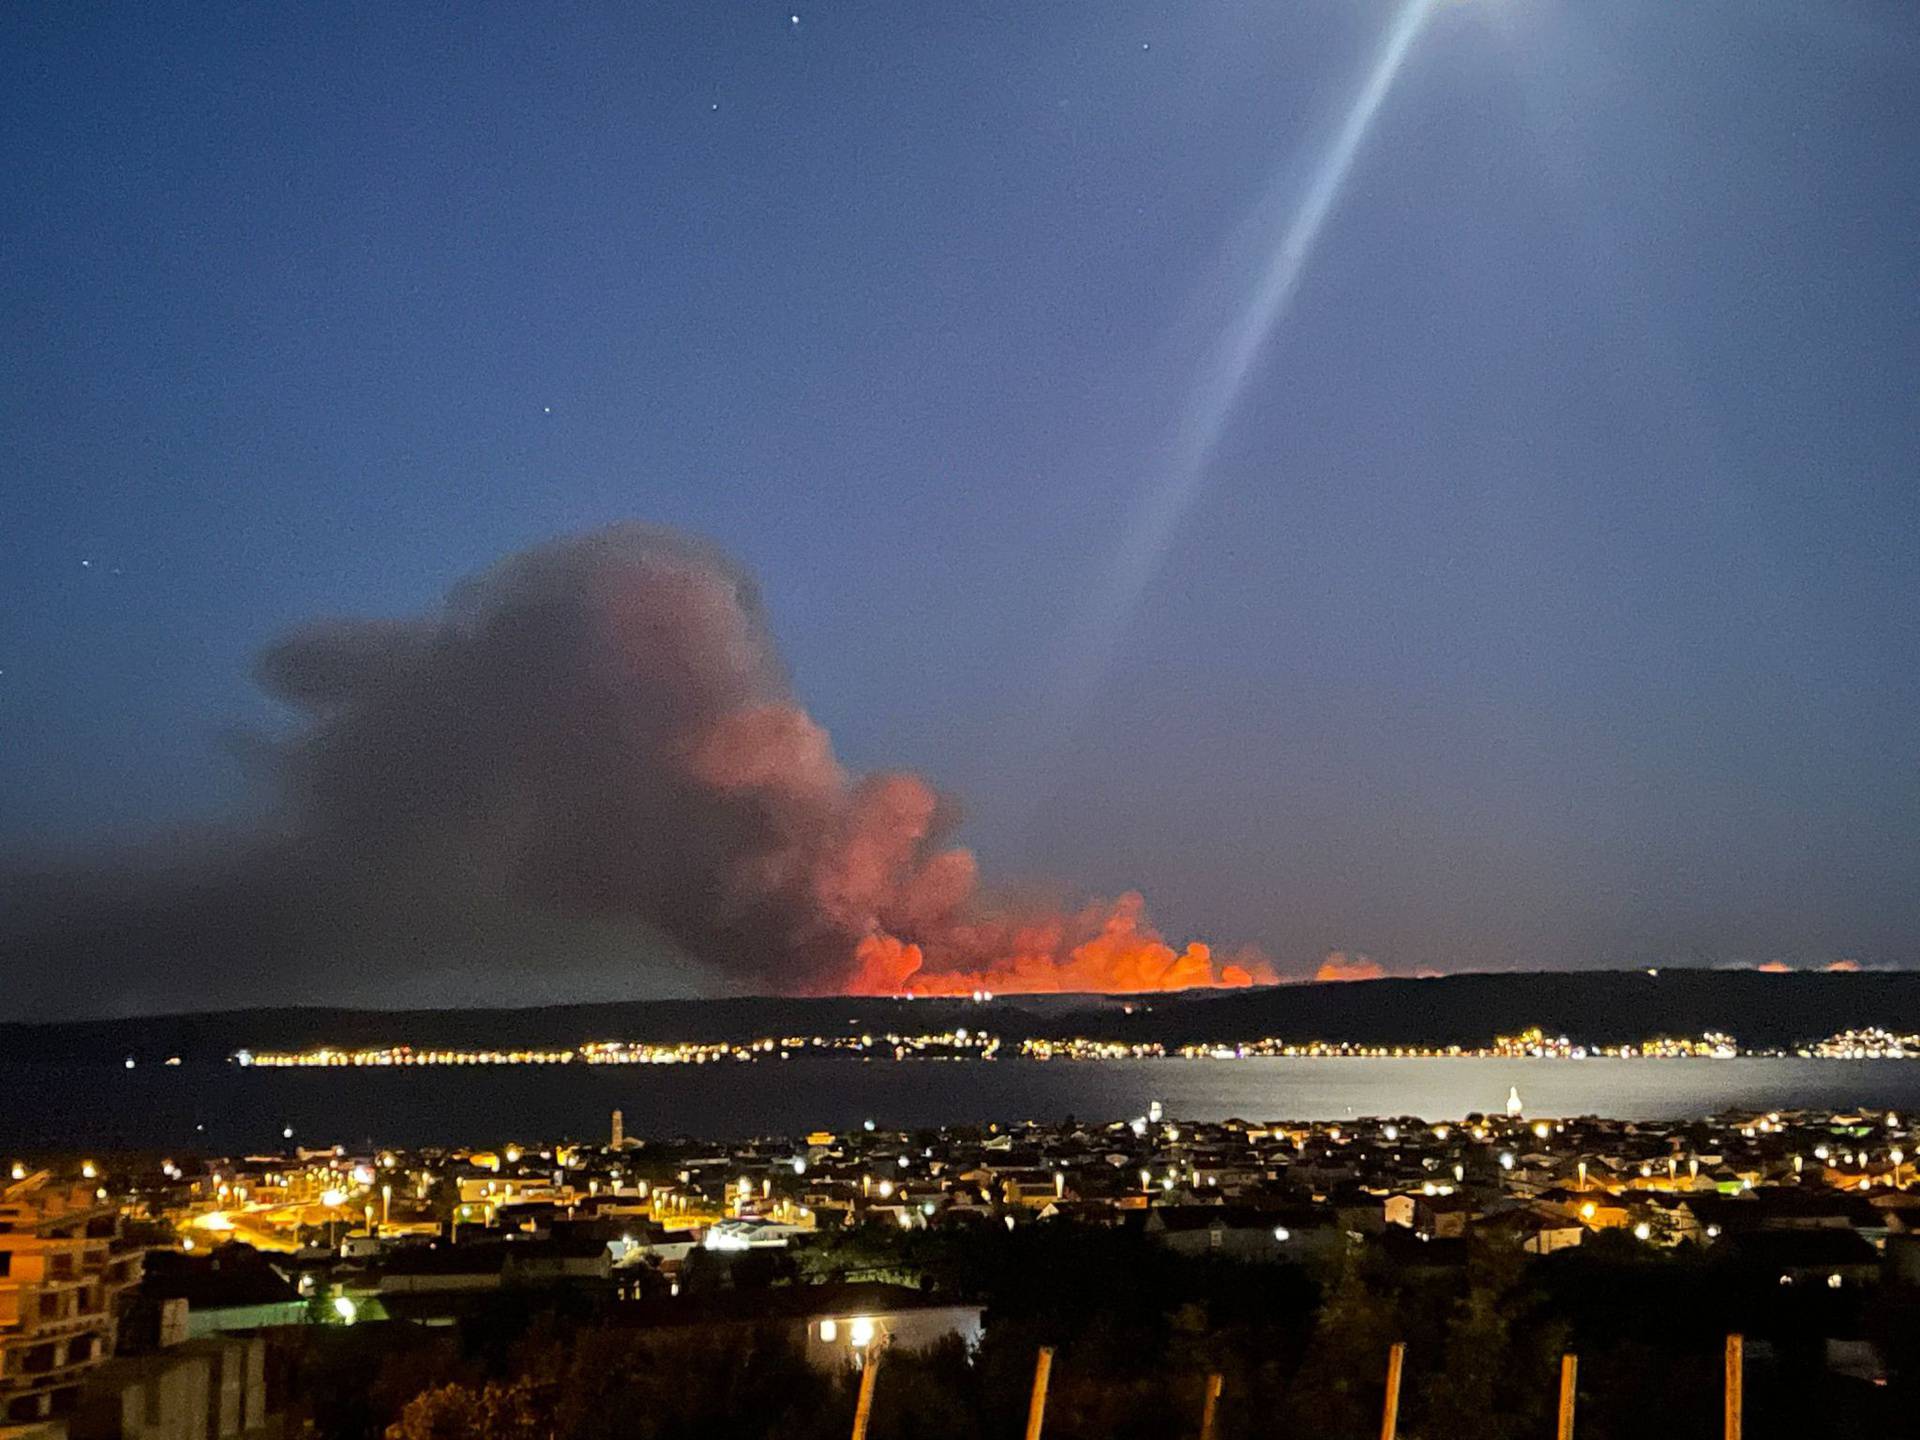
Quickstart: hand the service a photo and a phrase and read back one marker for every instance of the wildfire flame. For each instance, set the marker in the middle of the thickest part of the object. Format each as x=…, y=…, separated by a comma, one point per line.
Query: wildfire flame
x=1112, y=949
x=1338, y=965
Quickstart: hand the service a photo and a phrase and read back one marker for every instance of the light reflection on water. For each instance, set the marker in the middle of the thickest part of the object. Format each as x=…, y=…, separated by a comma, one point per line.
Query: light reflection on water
x=157, y=1107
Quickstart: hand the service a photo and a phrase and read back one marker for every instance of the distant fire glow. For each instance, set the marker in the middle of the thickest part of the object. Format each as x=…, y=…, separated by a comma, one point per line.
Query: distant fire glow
x=1112, y=949
x=1341, y=966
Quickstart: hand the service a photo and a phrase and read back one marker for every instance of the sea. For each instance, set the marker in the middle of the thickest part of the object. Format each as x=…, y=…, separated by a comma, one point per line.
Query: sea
x=224, y=1109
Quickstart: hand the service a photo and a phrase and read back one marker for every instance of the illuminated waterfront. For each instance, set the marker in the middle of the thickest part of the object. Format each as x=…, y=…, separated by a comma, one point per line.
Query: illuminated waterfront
x=159, y=1105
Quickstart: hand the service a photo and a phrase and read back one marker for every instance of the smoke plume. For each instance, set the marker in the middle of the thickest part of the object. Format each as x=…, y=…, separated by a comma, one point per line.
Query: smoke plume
x=596, y=738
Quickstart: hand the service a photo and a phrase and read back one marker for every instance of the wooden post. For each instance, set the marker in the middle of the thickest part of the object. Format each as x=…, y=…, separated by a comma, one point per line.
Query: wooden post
x=1037, y=1407
x=1736, y=1373
x=1390, y=1415
x=863, y=1408
x=1211, y=1409
x=1569, y=1369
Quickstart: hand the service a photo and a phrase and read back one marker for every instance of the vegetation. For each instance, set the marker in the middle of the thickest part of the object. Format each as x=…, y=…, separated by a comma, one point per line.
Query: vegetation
x=1136, y=1331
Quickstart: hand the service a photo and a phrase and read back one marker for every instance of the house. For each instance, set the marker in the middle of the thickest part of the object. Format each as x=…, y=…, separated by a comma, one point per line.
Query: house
x=232, y=1288
x=1238, y=1232
x=1595, y=1209
x=1536, y=1231
x=1442, y=1216
x=495, y=1265
x=835, y=1325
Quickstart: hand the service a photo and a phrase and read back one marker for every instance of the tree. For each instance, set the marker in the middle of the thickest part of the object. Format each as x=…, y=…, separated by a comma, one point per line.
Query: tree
x=1341, y=1382
x=496, y=1411
x=1495, y=1379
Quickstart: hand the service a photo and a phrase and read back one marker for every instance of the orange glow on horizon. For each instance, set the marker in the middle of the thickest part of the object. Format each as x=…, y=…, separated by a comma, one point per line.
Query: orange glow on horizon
x=1112, y=949
x=1340, y=966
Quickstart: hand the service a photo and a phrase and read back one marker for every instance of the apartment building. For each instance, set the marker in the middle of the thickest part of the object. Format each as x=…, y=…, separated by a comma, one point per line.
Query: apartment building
x=61, y=1278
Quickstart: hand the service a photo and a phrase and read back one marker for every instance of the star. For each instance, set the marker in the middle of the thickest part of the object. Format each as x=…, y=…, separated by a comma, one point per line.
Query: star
x=793, y=19
x=86, y=564
x=546, y=409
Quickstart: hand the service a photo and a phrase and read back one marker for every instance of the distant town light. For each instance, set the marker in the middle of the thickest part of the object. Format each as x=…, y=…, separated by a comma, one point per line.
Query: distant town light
x=829, y=1330
x=1643, y=1231
x=860, y=1332
x=1282, y=1234
x=345, y=1309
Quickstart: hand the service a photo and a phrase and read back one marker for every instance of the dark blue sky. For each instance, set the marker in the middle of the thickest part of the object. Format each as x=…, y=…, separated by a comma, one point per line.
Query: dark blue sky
x=1549, y=598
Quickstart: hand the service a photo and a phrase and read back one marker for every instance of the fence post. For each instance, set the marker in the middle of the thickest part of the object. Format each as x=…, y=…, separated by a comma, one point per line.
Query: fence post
x=1390, y=1415
x=1037, y=1407
x=1211, y=1409
x=1569, y=1369
x=863, y=1408
x=1736, y=1375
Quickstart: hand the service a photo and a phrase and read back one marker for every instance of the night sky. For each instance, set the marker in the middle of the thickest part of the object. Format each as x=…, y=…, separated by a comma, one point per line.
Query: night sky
x=1499, y=552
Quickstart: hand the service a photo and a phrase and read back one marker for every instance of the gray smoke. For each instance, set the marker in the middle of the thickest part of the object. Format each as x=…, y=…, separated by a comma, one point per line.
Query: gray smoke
x=592, y=753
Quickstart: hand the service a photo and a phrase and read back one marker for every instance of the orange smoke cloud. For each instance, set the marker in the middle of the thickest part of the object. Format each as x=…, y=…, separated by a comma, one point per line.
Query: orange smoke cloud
x=1339, y=965
x=1111, y=949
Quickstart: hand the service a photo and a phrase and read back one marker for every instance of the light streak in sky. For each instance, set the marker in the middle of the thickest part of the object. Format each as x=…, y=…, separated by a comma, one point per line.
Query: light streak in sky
x=1228, y=365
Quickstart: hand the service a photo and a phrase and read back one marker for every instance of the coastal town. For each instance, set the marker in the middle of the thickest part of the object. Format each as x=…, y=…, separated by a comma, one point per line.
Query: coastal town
x=963, y=1043
x=124, y=1269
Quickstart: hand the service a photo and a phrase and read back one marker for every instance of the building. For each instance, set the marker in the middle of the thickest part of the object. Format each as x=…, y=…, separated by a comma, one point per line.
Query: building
x=234, y=1288
x=836, y=1326
x=61, y=1278
x=209, y=1389
x=887, y=1317
x=1238, y=1232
